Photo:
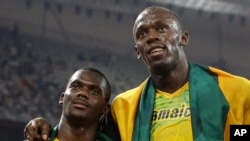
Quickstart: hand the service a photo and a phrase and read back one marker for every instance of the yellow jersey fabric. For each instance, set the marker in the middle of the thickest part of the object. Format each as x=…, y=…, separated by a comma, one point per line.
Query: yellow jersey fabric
x=218, y=99
x=171, y=116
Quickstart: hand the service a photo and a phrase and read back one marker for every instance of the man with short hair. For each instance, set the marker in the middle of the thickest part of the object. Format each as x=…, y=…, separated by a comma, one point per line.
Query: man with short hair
x=84, y=101
x=180, y=100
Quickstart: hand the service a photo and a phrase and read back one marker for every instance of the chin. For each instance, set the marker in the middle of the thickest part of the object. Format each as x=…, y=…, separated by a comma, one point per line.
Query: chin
x=162, y=67
x=77, y=116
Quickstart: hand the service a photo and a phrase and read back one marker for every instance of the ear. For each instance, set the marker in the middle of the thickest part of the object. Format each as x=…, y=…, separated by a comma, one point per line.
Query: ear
x=137, y=52
x=61, y=98
x=106, y=109
x=184, y=39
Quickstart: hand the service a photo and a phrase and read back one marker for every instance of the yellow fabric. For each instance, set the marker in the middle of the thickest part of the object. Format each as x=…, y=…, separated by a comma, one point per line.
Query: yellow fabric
x=171, y=118
x=124, y=107
x=235, y=89
x=237, y=92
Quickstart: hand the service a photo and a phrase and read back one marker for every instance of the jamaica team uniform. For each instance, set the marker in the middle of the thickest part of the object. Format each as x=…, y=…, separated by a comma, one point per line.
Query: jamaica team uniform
x=171, y=116
x=217, y=99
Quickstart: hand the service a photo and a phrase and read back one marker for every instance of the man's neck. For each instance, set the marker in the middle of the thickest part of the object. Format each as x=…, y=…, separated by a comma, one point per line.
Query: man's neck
x=67, y=132
x=172, y=80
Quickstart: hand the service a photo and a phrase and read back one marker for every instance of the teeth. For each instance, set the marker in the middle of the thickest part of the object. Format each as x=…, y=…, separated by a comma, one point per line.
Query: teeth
x=156, y=50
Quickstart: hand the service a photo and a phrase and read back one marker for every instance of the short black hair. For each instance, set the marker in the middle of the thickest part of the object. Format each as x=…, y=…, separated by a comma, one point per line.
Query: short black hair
x=157, y=8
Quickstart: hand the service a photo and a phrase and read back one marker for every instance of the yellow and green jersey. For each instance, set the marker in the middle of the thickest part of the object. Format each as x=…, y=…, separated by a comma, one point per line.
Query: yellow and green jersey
x=217, y=99
x=171, y=116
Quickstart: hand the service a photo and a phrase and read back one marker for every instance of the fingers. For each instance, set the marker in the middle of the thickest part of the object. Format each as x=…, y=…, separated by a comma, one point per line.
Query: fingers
x=37, y=129
x=45, y=129
x=28, y=132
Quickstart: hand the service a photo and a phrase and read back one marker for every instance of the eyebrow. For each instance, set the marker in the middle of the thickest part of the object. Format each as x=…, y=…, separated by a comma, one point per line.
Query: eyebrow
x=82, y=83
x=140, y=28
x=74, y=82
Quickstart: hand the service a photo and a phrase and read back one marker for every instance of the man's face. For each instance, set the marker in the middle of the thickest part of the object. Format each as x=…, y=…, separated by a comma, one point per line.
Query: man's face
x=157, y=35
x=84, y=97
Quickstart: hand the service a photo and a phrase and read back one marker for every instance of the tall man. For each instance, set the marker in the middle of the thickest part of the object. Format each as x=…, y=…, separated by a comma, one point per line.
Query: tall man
x=180, y=100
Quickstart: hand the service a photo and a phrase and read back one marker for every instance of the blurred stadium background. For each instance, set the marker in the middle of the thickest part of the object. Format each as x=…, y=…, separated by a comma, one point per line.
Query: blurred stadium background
x=42, y=42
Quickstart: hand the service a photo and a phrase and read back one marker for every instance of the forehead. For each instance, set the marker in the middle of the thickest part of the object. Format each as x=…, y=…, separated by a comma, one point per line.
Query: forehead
x=157, y=13
x=151, y=15
x=87, y=76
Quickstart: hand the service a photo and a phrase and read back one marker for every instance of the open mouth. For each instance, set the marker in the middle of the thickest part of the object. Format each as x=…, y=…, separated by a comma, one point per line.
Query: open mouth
x=156, y=51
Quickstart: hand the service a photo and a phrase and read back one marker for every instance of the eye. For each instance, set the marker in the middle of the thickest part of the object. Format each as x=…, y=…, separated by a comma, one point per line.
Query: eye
x=95, y=91
x=74, y=86
x=162, y=29
x=141, y=34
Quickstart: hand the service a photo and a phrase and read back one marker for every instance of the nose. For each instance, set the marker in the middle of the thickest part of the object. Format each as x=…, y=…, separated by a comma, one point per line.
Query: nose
x=153, y=35
x=84, y=92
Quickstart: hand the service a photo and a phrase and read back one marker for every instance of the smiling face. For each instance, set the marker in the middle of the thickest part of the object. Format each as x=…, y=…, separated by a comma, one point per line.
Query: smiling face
x=85, y=96
x=159, y=39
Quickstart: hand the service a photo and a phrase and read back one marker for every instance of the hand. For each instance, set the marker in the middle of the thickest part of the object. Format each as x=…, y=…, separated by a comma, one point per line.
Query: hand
x=37, y=129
